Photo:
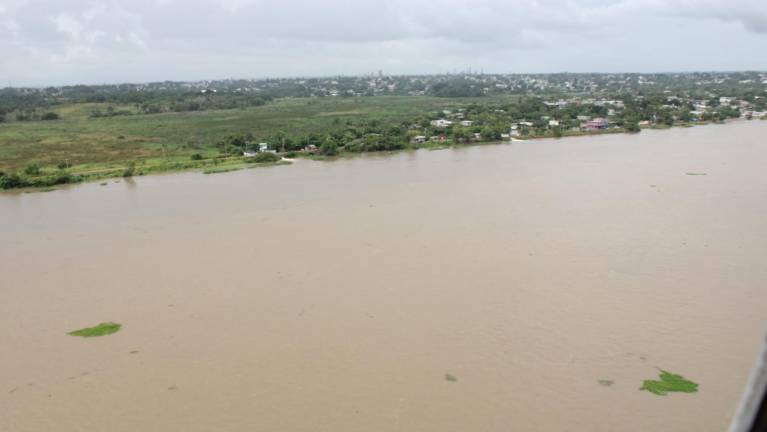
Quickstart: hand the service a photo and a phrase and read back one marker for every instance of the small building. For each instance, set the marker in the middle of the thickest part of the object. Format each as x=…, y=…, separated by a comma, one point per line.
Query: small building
x=249, y=153
x=311, y=148
x=262, y=147
x=644, y=123
x=441, y=123
x=467, y=123
x=420, y=139
x=477, y=136
x=597, y=123
x=553, y=123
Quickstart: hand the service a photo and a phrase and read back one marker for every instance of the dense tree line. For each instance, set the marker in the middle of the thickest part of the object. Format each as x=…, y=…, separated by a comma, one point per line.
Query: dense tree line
x=28, y=105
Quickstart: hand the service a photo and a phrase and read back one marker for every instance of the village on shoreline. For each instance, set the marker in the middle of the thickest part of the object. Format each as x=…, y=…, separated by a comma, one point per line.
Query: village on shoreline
x=55, y=136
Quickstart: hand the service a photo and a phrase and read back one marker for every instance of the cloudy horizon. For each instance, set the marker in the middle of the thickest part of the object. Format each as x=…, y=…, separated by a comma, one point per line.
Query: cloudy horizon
x=47, y=42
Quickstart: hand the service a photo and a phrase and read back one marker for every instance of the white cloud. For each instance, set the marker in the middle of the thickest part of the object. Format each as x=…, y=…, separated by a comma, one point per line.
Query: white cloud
x=186, y=39
x=68, y=25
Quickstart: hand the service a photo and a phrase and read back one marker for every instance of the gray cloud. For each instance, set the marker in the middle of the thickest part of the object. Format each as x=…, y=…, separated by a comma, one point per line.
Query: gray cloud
x=68, y=41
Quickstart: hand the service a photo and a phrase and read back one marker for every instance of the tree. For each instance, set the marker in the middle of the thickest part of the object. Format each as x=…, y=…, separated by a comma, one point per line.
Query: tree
x=50, y=116
x=329, y=147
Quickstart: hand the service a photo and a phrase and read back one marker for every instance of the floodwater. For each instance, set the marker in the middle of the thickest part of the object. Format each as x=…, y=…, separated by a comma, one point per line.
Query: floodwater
x=336, y=296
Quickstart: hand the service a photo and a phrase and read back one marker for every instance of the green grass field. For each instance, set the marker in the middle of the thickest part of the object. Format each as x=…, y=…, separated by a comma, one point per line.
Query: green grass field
x=93, y=145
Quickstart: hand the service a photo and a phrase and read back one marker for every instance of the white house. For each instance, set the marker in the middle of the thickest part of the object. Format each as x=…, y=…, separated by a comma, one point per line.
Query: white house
x=467, y=123
x=441, y=123
x=249, y=153
x=262, y=147
x=420, y=139
x=553, y=123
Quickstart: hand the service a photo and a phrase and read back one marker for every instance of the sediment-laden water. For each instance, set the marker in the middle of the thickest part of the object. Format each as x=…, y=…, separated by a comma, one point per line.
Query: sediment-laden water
x=483, y=288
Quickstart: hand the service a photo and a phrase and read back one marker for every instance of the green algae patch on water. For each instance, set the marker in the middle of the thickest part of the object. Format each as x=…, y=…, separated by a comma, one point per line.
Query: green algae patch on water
x=450, y=378
x=103, y=329
x=669, y=383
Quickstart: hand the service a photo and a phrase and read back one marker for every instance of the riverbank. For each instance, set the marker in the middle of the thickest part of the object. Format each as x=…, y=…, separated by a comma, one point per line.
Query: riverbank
x=46, y=178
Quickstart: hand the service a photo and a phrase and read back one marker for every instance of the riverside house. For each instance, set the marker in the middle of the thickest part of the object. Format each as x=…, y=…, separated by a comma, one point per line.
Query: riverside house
x=441, y=123
x=597, y=123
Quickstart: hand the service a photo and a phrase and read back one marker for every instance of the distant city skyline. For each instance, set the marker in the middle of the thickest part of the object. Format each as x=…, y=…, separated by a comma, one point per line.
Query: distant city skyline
x=65, y=42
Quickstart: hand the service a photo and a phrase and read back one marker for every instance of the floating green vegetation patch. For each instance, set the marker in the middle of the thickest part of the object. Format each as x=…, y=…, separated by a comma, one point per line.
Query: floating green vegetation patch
x=450, y=378
x=669, y=383
x=99, y=330
x=606, y=382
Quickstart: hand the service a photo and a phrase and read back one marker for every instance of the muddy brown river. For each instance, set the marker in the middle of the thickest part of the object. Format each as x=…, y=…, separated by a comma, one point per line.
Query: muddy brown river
x=337, y=296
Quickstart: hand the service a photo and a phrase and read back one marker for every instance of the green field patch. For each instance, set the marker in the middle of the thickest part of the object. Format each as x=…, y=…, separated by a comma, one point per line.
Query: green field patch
x=341, y=113
x=669, y=383
x=223, y=169
x=103, y=329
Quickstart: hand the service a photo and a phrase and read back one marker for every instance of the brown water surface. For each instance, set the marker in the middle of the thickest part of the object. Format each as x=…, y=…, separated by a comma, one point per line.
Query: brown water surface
x=337, y=296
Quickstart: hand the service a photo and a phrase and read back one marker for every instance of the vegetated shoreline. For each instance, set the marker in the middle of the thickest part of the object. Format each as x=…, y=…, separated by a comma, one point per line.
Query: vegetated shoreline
x=223, y=164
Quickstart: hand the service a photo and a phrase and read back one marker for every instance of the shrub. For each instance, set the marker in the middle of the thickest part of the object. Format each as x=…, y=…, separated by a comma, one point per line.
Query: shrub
x=63, y=178
x=130, y=169
x=12, y=181
x=291, y=154
x=50, y=116
x=32, y=169
x=265, y=158
x=196, y=156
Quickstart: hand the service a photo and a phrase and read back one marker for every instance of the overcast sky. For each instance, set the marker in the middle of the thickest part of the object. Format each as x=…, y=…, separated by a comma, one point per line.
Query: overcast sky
x=52, y=42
